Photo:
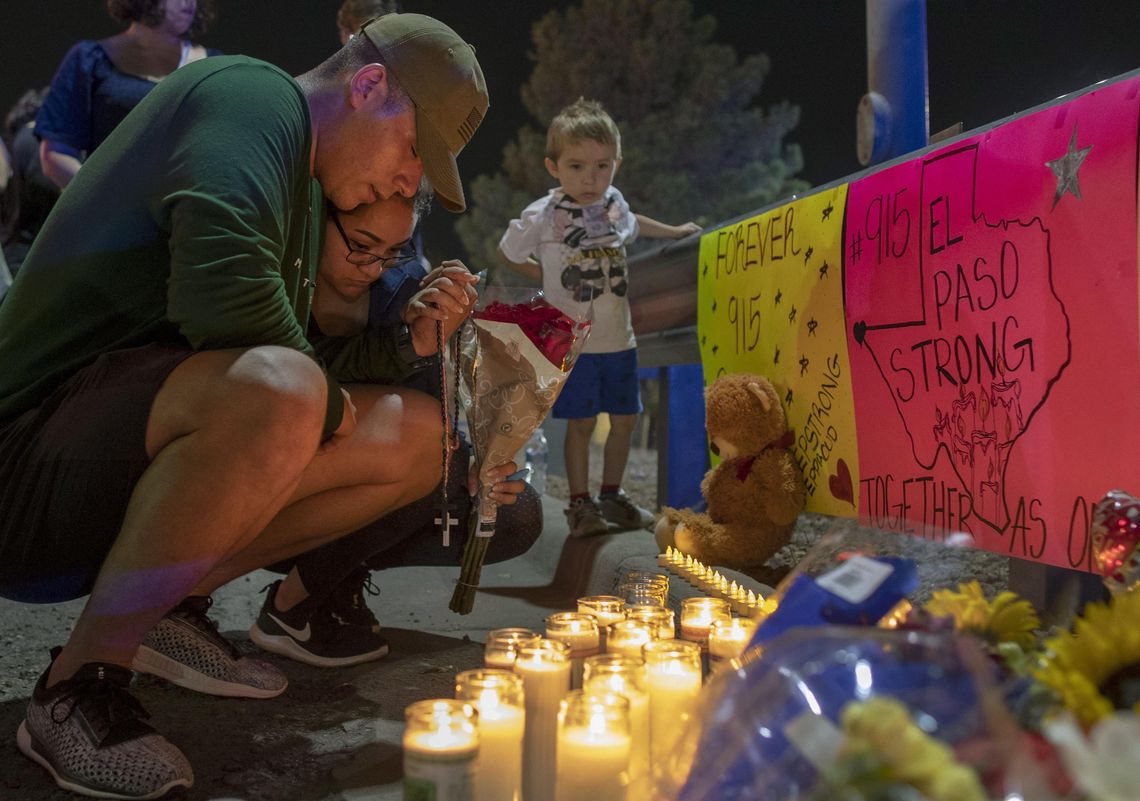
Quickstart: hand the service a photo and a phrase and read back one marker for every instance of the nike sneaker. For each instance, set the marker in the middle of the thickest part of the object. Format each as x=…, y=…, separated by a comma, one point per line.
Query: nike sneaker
x=311, y=634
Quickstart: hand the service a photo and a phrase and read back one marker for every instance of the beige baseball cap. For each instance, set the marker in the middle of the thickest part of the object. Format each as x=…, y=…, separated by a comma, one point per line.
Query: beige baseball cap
x=439, y=72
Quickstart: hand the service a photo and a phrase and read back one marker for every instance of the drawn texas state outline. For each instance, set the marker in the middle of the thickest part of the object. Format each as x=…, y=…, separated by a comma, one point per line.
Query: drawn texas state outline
x=971, y=346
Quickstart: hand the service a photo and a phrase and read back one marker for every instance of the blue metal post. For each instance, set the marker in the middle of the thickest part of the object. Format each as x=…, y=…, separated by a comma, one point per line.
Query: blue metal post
x=685, y=442
x=894, y=116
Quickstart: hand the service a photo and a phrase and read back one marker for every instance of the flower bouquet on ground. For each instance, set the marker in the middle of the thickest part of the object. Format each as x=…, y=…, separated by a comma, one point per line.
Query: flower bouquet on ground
x=515, y=354
x=852, y=714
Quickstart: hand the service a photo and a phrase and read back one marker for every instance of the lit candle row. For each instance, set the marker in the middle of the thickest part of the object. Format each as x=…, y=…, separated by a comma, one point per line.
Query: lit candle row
x=743, y=602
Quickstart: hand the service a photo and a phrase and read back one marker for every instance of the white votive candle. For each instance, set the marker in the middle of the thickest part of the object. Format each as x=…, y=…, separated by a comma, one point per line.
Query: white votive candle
x=545, y=670
x=627, y=637
x=503, y=645
x=625, y=676
x=727, y=639
x=580, y=633
x=441, y=743
x=605, y=609
x=673, y=677
x=593, y=747
x=498, y=697
x=697, y=616
x=659, y=616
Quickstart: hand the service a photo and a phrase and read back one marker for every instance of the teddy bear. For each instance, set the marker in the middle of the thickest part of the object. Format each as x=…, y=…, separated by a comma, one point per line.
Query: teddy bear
x=757, y=491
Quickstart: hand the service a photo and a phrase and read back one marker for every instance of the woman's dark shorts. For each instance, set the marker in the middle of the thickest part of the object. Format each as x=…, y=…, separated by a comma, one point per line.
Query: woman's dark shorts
x=68, y=469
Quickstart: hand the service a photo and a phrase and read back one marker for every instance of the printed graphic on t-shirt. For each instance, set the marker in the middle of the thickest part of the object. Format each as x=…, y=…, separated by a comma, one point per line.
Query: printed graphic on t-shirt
x=594, y=254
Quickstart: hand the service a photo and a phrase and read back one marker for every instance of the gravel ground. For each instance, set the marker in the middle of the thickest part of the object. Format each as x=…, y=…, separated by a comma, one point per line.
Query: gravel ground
x=938, y=565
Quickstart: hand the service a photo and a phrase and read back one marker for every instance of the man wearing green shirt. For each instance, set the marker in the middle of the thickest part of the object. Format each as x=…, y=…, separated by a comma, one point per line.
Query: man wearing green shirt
x=164, y=427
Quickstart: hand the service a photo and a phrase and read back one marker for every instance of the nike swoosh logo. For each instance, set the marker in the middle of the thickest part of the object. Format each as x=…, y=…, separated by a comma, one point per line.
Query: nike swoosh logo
x=300, y=635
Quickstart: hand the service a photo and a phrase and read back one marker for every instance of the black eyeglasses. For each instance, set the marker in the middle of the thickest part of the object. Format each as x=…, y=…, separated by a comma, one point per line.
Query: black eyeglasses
x=362, y=257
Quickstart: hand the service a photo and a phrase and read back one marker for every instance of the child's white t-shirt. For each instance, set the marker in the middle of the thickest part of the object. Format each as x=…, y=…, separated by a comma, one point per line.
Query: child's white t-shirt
x=582, y=253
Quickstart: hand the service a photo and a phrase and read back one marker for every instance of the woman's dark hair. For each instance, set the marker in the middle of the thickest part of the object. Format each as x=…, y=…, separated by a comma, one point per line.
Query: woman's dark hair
x=151, y=13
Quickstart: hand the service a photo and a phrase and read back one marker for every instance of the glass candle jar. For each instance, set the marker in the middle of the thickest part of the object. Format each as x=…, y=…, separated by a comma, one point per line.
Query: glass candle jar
x=727, y=639
x=497, y=696
x=627, y=637
x=697, y=616
x=578, y=631
x=503, y=645
x=659, y=616
x=441, y=743
x=545, y=670
x=639, y=587
x=605, y=609
x=593, y=747
x=673, y=678
x=624, y=675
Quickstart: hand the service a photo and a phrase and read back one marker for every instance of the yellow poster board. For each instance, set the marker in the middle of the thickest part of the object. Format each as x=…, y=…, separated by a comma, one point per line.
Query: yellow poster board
x=770, y=301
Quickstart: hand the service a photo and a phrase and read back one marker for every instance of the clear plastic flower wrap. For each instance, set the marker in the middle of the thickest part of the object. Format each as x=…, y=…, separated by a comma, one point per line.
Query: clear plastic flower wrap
x=515, y=354
x=849, y=713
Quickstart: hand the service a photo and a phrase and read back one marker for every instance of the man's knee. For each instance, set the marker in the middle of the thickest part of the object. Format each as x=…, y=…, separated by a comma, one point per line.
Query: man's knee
x=581, y=426
x=264, y=392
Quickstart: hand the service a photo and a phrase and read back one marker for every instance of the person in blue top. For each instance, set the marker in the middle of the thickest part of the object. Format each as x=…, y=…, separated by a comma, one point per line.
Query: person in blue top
x=99, y=82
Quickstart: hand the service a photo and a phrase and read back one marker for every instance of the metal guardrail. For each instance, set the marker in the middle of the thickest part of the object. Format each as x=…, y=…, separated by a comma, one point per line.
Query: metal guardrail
x=663, y=303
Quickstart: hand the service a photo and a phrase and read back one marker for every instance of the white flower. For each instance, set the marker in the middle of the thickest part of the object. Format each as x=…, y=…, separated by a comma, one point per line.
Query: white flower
x=1103, y=763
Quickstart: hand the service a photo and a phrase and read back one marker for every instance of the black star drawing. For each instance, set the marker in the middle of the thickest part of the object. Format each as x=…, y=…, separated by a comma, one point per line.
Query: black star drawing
x=714, y=305
x=706, y=270
x=1065, y=169
x=823, y=271
x=715, y=348
x=776, y=359
x=788, y=398
x=812, y=325
x=792, y=315
x=703, y=338
x=827, y=212
x=803, y=364
x=807, y=254
x=779, y=295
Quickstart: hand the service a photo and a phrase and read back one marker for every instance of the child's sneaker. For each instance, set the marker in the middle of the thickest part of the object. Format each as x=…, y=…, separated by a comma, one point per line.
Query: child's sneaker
x=617, y=507
x=585, y=518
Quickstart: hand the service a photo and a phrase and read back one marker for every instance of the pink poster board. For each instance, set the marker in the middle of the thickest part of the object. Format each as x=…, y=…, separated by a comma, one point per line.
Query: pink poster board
x=991, y=302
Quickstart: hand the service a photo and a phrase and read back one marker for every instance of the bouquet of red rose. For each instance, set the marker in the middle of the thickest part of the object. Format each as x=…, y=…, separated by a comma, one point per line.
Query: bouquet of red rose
x=515, y=354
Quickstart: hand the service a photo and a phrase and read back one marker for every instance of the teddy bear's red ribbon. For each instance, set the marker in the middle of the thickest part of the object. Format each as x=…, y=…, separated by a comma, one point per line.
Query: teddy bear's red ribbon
x=744, y=463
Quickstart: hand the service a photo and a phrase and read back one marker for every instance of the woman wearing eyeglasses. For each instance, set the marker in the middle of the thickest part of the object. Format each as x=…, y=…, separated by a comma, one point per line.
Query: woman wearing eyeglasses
x=371, y=300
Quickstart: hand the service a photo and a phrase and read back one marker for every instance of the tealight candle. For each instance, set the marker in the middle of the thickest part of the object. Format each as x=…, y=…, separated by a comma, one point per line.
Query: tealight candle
x=545, y=670
x=627, y=637
x=441, y=742
x=497, y=695
x=503, y=645
x=659, y=616
x=593, y=747
x=698, y=614
x=624, y=675
x=727, y=639
x=605, y=609
x=580, y=632
x=673, y=676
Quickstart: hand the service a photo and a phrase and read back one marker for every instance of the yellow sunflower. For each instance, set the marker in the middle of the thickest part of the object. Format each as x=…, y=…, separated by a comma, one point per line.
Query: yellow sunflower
x=1086, y=666
x=881, y=727
x=1007, y=618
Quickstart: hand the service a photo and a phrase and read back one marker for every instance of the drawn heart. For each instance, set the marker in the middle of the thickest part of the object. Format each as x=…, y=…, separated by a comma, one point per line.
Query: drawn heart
x=841, y=484
x=860, y=331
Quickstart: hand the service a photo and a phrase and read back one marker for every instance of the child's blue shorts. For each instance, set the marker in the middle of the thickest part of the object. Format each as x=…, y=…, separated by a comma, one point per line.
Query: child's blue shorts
x=601, y=382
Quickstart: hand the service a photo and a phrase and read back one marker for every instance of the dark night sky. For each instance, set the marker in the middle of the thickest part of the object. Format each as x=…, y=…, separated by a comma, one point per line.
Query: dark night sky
x=987, y=58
